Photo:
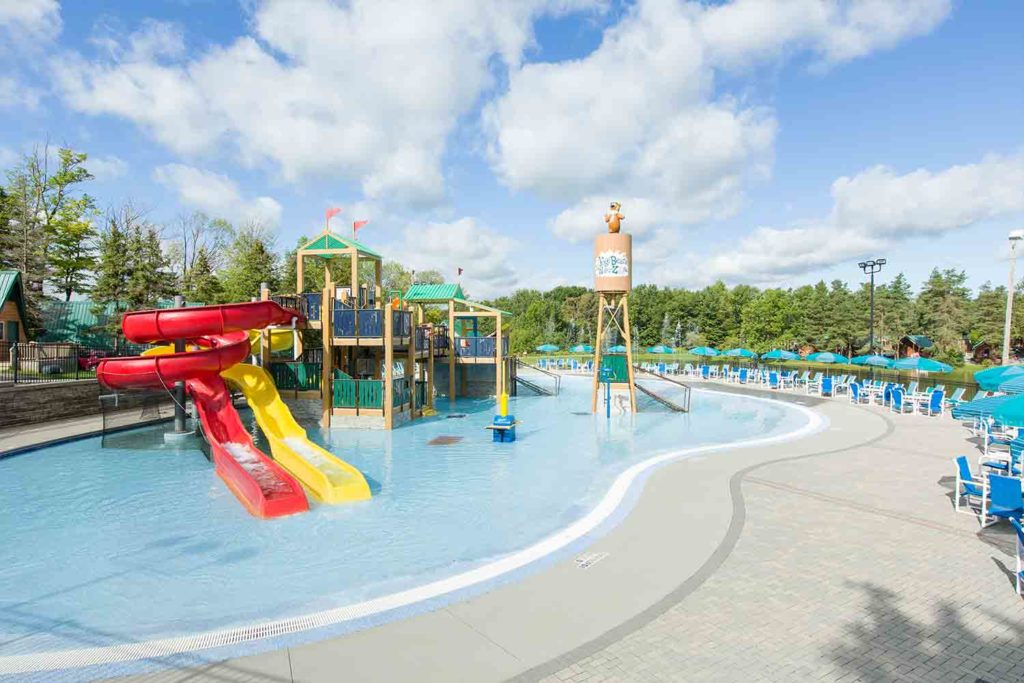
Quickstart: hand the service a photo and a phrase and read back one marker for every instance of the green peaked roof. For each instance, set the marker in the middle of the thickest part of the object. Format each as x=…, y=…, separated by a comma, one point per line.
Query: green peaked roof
x=329, y=240
x=423, y=293
x=10, y=287
x=920, y=341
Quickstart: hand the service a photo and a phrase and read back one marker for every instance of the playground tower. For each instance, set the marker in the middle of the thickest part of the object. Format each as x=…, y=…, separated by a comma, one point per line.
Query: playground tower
x=613, y=281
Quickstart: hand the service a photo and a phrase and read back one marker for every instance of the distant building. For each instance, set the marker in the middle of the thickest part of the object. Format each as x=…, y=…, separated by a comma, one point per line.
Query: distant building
x=914, y=345
x=12, y=308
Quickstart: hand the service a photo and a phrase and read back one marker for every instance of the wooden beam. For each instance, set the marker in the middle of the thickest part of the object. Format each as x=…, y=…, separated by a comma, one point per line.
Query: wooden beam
x=597, y=351
x=629, y=353
x=264, y=335
x=430, y=367
x=389, y=357
x=451, y=350
x=300, y=282
x=499, y=375
x=327, y=362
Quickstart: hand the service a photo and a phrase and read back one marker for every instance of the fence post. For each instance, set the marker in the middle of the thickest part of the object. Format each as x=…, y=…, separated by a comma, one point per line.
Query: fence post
x=14, y=360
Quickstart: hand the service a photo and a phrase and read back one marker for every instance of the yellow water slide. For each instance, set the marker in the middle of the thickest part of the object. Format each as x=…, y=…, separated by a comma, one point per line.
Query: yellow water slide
x=328, y=477
x=280, y=340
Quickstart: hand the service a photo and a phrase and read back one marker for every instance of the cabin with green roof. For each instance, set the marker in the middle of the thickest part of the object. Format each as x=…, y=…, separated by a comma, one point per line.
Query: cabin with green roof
x=12, y=308
x=380, y=363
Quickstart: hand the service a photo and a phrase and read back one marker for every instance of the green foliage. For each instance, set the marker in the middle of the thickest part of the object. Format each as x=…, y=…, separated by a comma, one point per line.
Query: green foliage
x=251, y=261
x=201, y=282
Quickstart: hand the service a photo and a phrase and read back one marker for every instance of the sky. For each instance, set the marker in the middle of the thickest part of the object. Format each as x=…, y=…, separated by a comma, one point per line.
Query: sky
x=772, y=143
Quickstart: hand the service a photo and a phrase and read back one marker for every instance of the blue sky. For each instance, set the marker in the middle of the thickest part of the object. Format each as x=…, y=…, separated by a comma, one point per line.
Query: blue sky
x=773, y=143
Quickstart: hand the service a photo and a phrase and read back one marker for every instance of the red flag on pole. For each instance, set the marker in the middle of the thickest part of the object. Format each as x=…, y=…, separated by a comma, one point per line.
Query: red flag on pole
x=460, y=272
x=358, y=224
x=330, y=213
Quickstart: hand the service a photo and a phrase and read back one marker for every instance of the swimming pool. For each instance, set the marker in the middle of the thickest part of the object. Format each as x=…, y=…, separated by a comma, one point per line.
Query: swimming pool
x=110, y=546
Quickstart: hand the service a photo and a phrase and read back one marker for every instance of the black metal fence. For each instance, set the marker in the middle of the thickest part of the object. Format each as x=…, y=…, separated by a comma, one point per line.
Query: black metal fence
x=42, y=362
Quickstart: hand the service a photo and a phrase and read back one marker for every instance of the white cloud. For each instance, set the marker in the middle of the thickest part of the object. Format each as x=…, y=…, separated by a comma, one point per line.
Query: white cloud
x=217, y=195
x=639, y=119
x=368, y=90
x=15, y=94
x=107, y=167
x=30, y=20
x=871, y=211
x=485, y=254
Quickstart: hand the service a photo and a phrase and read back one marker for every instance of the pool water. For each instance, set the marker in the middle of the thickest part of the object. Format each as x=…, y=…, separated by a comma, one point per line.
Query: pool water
x=111, y=545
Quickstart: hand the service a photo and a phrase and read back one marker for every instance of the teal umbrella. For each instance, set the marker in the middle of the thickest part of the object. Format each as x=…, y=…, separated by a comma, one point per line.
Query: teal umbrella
x=921, y=365
x=828, y=357
x=1010, y=413
x=705, y=351
x=547, y=348
x=989, y=379
x=582, y=348
x=873, y=360
x=740, y=353
x=660, y=348
x=617, y=349
x=779, y=354
x=1014, y=385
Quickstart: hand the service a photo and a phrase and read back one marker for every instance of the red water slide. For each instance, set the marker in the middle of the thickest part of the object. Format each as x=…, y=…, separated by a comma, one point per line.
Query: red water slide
x=262, y=485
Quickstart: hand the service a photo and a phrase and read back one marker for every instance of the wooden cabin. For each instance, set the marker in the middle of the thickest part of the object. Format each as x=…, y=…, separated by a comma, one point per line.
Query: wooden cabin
x=12, y=311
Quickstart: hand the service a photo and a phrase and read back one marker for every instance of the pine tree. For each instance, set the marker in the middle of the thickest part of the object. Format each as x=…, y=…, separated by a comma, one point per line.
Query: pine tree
x=201, y=283
x=251, y=261
x=72, y=253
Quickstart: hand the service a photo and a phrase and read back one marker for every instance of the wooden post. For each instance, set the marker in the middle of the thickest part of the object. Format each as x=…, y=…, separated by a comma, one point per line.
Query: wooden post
x=629, y=352
x=499, y=374
x=377, y=278
x=354, y=286
x=300, y=284
x=389, y=357
x=451, y=350
x=327, y=362
x=410, y=366
x=602, y=302
x=264, y=333
x=430, y=367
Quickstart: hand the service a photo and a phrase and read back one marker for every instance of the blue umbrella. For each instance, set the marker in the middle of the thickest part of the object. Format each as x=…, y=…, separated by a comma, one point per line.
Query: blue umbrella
x=779, y=354
x=582, y=348
x=989, y=379
x=1010, y=413
x=660, y=348
x=740, y=353
x=704, y=351
x=617, y=349
x=979, y=407
x=828, y=357
x=921, y=365
x=547, y=348
x=874, y=360
x=1014, y=385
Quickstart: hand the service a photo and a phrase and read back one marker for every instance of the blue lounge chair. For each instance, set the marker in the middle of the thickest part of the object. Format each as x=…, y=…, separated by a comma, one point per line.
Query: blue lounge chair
x=743, y=376
x=705, y=372
x=1003, y=499
x=957, y=398
x=897, y=402
x=1020, y=553
x=935, y=404
x=967, y=485
x=825, y=387
x=854, y=392
x=773, y=380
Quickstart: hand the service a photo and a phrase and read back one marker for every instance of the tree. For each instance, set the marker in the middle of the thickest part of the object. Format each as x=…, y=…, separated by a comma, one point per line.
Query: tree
x=396, y=277
x=195, y=232
x=202, y=285
x=942, y=312
x=251, y=261
x=72, y=253
x=767, y=320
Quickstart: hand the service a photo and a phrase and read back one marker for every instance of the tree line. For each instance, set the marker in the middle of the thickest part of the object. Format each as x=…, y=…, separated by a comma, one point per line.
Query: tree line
x=52, y=230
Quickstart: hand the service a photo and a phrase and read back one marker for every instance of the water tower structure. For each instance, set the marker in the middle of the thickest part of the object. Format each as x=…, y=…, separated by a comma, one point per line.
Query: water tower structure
x=613, y=281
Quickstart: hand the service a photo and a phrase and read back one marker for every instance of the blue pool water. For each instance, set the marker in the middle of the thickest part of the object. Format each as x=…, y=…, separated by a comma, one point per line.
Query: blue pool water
x=108, y=545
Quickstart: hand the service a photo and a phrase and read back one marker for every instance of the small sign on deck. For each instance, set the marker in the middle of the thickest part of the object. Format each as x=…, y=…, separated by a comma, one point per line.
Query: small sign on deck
x=589, y=560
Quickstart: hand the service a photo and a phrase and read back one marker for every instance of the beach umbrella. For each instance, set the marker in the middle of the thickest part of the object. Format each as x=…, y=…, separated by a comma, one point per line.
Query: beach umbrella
x=704, y=351
x=582, y=348
x=779, y=354
x=660, y=348
x=827, y=357
x=873, y=360
x=740, y=353
x=1014, y=385
x=989, y=379
x=979, y=407
x=617, y=349
x=547, y=348
x=1010, y=413
x=919, y=364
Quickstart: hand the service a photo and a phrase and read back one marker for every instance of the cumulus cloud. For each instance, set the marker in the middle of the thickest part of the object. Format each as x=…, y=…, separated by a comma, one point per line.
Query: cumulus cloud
x=367, y=90
x=217, y=195
x=107, y=167
x=871, y=211
x=15, y=94
x=640, y=120
x=484, y=253
x=30, y=20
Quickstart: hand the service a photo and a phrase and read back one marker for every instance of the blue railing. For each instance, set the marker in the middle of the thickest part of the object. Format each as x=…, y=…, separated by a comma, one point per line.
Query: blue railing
x=371, y=322
x=479, y=347
x=309, y=305
x=401, y=323
x=422, y=338
x=366, y=322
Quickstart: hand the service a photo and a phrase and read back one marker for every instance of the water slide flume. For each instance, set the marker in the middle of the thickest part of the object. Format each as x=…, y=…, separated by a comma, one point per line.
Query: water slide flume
x=329, y=478
x=222, y=335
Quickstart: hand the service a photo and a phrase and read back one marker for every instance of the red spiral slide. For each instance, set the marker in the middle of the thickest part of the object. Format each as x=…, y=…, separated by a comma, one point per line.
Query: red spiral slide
x=265, y=488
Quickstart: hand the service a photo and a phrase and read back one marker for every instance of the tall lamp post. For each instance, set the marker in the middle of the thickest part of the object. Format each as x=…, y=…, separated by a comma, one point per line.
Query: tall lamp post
x=1014, y=237
x=870, y=268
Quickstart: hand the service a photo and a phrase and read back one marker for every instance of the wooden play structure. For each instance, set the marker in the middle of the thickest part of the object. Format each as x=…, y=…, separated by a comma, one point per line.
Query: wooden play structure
x=380, y=362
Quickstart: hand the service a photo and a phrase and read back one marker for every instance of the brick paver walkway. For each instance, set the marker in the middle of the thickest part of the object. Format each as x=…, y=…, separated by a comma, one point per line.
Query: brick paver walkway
x=850, y=567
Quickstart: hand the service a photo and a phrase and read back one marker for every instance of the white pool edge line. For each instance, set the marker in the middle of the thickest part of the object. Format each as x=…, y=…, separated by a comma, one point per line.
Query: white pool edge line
x=606, y=507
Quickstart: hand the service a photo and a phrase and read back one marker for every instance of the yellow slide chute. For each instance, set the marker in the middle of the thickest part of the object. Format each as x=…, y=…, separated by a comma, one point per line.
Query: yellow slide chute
x=328, y=477
x=280, y=340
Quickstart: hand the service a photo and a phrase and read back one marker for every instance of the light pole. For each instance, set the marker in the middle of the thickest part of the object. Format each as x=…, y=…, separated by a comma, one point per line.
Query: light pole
x=1014, y=237
x=870, y=268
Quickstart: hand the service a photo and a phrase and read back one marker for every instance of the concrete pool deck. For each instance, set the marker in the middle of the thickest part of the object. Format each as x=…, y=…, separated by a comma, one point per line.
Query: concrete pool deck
x=836, y=557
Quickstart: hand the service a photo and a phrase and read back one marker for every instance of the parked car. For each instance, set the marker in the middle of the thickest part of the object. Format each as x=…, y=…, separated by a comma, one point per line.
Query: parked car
x=88, y=359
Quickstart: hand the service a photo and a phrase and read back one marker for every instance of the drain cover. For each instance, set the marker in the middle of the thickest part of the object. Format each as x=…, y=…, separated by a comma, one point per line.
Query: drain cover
x=455, y=416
